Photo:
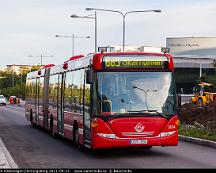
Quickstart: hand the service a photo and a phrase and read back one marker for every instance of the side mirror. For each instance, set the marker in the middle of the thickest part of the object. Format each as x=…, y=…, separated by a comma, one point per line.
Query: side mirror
x=89, y=76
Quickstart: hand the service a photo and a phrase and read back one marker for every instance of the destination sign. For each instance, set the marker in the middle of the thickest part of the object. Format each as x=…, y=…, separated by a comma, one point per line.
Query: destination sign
x=134, y=62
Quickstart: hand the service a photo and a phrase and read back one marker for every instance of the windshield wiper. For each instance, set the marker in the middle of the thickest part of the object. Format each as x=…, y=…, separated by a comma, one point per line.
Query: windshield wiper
x=149, y=111
x=158, y=113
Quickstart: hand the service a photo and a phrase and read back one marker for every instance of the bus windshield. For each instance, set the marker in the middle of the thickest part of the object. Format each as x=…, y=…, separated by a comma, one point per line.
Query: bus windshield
x=135, y=93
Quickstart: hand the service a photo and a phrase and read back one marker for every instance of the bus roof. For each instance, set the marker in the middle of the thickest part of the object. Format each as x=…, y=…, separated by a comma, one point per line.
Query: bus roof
x=96, y=61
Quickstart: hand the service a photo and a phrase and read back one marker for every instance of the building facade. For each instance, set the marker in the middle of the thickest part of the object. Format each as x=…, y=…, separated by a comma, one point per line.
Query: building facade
x=19, y=69
x=194, y=59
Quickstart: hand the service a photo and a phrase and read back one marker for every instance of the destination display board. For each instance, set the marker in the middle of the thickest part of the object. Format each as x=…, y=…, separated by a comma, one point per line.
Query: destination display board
x=131, y=61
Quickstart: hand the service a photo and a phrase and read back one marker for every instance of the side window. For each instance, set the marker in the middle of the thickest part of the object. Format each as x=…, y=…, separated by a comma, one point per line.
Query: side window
x=28, y=89
x=34, y=90
x=87, y=98
x=31, y=92
x=41, y=91
x=68, y=91
x=77, y=91
x=53, y=90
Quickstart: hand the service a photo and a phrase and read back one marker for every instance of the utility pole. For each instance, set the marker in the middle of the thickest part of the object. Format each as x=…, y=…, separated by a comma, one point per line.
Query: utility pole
x=91, y=16
x=73, y=37
x=41, y=57
x=123, y=17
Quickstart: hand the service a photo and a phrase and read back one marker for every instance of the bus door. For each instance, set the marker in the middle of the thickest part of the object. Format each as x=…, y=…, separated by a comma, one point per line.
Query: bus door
x=60, y=103
x=37, y=106
x=86, y=115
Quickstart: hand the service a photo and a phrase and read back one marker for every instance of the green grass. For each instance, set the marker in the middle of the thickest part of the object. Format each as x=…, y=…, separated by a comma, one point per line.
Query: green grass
x=197, y=132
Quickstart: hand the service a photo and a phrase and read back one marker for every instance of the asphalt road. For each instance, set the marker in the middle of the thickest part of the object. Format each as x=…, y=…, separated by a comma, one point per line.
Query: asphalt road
x=36, y=148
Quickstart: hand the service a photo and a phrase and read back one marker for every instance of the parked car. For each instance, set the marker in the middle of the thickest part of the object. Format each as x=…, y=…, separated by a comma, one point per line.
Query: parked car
x=13, y=99
x=2, y=100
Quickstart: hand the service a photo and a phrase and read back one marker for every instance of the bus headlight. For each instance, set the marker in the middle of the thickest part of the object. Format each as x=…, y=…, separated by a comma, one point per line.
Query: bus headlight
x=104, y=135
x=164, y=134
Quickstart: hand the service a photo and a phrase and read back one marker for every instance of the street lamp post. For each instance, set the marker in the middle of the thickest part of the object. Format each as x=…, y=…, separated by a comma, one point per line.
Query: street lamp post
x=41, y=57
x=73, y=37
x=89, y=17
x=200, y=70
x=123, y=16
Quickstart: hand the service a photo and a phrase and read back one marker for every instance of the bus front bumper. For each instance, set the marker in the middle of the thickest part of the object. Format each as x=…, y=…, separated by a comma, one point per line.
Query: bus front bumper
x=102, y=141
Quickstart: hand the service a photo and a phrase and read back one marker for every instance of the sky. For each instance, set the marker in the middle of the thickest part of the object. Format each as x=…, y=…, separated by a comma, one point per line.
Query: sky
x=28, y=27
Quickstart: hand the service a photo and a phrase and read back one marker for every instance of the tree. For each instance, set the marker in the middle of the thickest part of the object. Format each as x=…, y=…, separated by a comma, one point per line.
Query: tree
x=14, y=84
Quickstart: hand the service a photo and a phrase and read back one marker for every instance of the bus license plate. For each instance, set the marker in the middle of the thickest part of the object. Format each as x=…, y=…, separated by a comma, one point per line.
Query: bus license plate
x=138, y=141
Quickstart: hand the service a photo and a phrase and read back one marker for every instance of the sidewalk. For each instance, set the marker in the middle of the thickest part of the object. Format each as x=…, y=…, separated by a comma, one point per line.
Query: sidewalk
x=198, y=141
x=6, y=161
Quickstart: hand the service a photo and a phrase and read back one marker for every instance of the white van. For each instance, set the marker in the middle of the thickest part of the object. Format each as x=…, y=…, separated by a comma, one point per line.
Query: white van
x=2, y=100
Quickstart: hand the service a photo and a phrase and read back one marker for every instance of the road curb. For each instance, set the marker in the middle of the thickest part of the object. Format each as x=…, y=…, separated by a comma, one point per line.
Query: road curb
x=8, y=157
x=198, y=141
x=16, y=106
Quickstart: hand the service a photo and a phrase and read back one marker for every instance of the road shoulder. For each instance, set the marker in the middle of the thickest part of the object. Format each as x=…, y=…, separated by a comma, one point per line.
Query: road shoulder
x=6, y=161
x=198, y=141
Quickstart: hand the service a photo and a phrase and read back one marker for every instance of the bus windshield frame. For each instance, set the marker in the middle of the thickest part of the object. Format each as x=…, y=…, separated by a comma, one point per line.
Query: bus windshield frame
x=132, y=93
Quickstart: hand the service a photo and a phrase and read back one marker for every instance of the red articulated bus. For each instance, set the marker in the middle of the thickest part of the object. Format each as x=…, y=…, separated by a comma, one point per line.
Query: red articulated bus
x=107, y=100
